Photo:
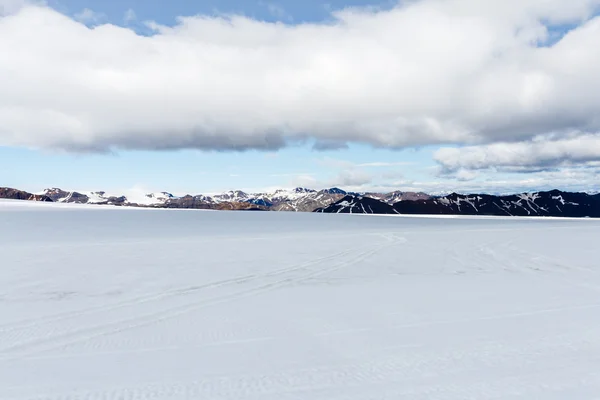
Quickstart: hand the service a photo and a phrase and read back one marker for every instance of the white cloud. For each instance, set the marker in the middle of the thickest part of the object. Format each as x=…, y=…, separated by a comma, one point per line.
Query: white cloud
x=349, y=179
x=570, y=178
x=428, y=71
x=464, y=175
x=382, y=164
x=349, y=175
x=276, y=10
x=9, y=7
x=129, y=16
x=88, y=16
x=537, y=154
x=352, y=178
x=337, y=163
x=575, y=178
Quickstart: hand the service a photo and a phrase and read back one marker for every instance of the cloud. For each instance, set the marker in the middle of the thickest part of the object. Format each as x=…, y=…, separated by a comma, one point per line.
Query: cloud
x=340, y=173
x=277, y=11
x=88, y=16
x=295, y=175
x=380, y=164
x=338, y=163
x=465, y=175
x=424, y=72
x=320, y=145
x=568, y=178
x=572, y=178
x=306, y=180
x=392, y=174
x=349, y=175
x=330, y=162
x=9, y=7
x=352, y=178
x=130, y=16
x=530, y=156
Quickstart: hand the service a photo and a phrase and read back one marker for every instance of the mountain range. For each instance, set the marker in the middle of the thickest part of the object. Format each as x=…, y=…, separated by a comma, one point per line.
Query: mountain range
x=298, y=199
x=554, y=203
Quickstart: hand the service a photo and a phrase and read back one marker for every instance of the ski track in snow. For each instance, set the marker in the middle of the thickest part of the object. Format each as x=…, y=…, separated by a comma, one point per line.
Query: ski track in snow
x=295, y=306
x=62, y=339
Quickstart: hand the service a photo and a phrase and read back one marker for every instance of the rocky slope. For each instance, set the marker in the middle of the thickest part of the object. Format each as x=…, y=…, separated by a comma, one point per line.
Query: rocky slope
x=553, y=203
x=352, y=204
x=201, y=202
x=309, y=201
x=100, y=197
x=62, y=196
x=15, y=194
x=395, y=197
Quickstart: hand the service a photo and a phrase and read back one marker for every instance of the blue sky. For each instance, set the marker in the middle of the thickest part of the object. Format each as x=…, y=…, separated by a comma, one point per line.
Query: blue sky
x=192, y=171
x=427, y=148
x=166, y=12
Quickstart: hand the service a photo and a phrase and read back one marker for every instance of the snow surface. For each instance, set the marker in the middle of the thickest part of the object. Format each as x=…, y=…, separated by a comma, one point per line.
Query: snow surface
x=116, y=303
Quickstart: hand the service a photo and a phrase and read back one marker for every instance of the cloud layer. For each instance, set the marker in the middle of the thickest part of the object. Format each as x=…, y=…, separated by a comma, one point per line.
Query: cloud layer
x=428, y=71
x=523, y=156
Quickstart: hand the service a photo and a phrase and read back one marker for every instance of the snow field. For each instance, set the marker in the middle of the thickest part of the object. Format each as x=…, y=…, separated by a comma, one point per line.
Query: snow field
x=130, y=304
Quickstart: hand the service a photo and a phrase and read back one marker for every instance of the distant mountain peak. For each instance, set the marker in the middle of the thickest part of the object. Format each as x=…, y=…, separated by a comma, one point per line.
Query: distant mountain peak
x=335, y=190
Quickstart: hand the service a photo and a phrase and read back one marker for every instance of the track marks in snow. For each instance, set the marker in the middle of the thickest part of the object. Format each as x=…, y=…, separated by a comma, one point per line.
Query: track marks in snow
x=403, y=370
x=161, y=296
x=39, y=336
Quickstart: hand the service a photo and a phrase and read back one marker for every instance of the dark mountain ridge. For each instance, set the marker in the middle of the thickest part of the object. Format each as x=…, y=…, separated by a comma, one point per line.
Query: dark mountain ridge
x=352, y=204
x=15, y=194
x=553, y=203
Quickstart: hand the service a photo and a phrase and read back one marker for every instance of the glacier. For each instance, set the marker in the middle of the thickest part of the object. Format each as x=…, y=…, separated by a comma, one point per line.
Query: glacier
x=125, y=303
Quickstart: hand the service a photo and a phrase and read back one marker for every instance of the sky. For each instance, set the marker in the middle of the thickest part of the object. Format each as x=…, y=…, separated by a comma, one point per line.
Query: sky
x=207, y=96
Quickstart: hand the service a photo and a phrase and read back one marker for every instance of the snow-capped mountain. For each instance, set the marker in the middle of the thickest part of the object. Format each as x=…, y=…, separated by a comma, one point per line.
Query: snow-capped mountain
x=231, y=196
x=308, y=201
x=150, y=198
x=263, y=199
x=297, y=199
x=100, y=197
x=396, y=196
x=553, y=203
x=283, y=195
x=351, y=204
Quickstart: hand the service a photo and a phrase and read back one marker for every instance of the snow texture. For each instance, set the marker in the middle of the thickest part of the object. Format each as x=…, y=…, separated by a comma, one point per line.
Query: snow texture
x=112, y=303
